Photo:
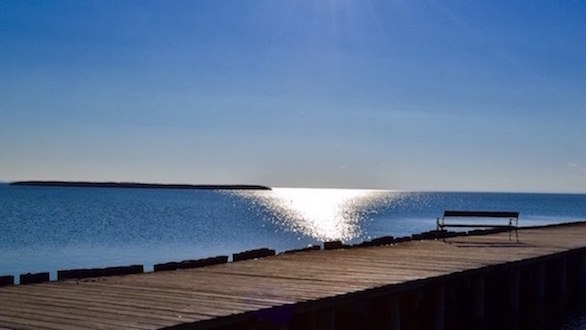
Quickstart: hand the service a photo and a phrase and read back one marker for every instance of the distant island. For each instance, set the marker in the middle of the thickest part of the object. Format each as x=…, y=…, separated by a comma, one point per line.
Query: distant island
x=83, y=184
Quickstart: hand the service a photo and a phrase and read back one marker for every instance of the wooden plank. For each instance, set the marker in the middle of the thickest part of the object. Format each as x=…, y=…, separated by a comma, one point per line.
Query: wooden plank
x=118, y=304
x=24, y=321
x=85, y=317
x=154, y=300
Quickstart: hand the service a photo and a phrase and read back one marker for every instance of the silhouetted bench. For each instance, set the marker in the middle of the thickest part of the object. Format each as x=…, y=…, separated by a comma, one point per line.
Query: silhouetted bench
x=511, y=217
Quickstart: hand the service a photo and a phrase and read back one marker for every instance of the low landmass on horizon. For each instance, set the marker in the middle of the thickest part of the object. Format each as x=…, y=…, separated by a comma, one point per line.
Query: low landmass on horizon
x=86, y=184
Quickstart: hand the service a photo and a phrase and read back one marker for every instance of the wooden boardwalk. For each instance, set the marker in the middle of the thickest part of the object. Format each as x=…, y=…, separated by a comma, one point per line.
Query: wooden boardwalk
x=233, y=290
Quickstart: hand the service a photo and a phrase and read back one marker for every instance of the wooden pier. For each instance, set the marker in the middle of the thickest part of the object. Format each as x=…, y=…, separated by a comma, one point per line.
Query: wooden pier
x=485, y=281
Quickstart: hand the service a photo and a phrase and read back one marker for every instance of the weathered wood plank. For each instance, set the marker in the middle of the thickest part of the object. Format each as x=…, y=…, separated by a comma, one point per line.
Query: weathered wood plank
x=154, y=300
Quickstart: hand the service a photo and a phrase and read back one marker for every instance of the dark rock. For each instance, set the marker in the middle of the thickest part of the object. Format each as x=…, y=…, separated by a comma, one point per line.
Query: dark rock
x=403, y=239
x=6, y=280
x=34, y=278
x=99, y=272
x=385, y=240
x=417, y=237
x=333, y=245
x=363, y=244
x=253, y=254
x=434, y=234
x=191, y=263
x=306, y=249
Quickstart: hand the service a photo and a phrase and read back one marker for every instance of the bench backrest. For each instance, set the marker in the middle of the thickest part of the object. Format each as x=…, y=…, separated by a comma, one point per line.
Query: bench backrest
x=482, y=214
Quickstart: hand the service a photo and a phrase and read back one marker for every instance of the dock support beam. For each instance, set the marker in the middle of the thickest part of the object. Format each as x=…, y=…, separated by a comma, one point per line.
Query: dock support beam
x=514, y=299
x=582, y=277
x=393, y=313
x=479, y=301
x=326, y=319
x=563, y=281
x=539, y=301
x=440, y=307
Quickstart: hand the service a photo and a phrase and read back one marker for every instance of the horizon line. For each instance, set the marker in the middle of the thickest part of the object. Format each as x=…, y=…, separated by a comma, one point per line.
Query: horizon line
x=154, y=184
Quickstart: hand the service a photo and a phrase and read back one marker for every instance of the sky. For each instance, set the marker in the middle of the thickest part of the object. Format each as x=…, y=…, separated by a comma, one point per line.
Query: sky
x=398, y=94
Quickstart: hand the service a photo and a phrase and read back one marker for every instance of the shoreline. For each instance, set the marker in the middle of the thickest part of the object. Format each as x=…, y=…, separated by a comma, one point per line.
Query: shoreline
x=87, y=184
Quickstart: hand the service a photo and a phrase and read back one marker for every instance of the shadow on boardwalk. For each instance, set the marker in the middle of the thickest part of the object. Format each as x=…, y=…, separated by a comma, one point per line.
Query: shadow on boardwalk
x=485, y=244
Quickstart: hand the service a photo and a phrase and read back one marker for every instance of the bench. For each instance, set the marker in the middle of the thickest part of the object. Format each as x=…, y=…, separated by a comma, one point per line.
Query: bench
x=511, y=224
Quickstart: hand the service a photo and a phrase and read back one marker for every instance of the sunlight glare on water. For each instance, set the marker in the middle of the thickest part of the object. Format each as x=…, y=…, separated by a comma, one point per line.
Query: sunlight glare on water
x=324, y=214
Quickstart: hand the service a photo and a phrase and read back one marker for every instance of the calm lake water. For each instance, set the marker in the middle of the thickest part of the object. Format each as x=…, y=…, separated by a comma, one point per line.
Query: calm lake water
x=50, y=228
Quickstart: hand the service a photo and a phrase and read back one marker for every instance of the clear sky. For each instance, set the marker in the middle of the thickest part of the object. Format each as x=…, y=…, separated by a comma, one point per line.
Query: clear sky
x=422, y=95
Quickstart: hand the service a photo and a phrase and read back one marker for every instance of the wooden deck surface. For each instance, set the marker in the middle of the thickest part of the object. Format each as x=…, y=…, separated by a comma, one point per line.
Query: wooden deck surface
x=155, y=300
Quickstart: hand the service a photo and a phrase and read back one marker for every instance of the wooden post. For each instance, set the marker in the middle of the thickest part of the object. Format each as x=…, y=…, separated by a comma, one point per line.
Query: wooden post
x=538, y=310
x=416, y=309
x=310, y=323
x=283, y=326
x=582, y=277
x=563, y=282
x=479, y=300
x=440, y=309
x=392, y=314
x=326, y=319
x=514, y=280
x=364, y=313
x=540, y=285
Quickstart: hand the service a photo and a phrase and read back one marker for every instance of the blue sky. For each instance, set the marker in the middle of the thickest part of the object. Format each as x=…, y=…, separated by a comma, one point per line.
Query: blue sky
x=423, y=95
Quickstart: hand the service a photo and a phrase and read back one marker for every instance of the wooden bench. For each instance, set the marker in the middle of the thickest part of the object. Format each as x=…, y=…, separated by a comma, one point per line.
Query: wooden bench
x=511, y=225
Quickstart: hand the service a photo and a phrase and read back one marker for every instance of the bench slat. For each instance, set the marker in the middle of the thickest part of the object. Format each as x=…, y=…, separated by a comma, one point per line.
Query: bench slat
x=477, y=226
x=483, y=214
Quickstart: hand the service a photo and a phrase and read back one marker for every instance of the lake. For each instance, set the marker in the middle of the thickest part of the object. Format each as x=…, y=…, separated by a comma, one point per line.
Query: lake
x=51, y=228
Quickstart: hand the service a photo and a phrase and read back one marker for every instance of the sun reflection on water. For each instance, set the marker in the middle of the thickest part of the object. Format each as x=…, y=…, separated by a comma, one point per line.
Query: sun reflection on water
x=324, y=214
